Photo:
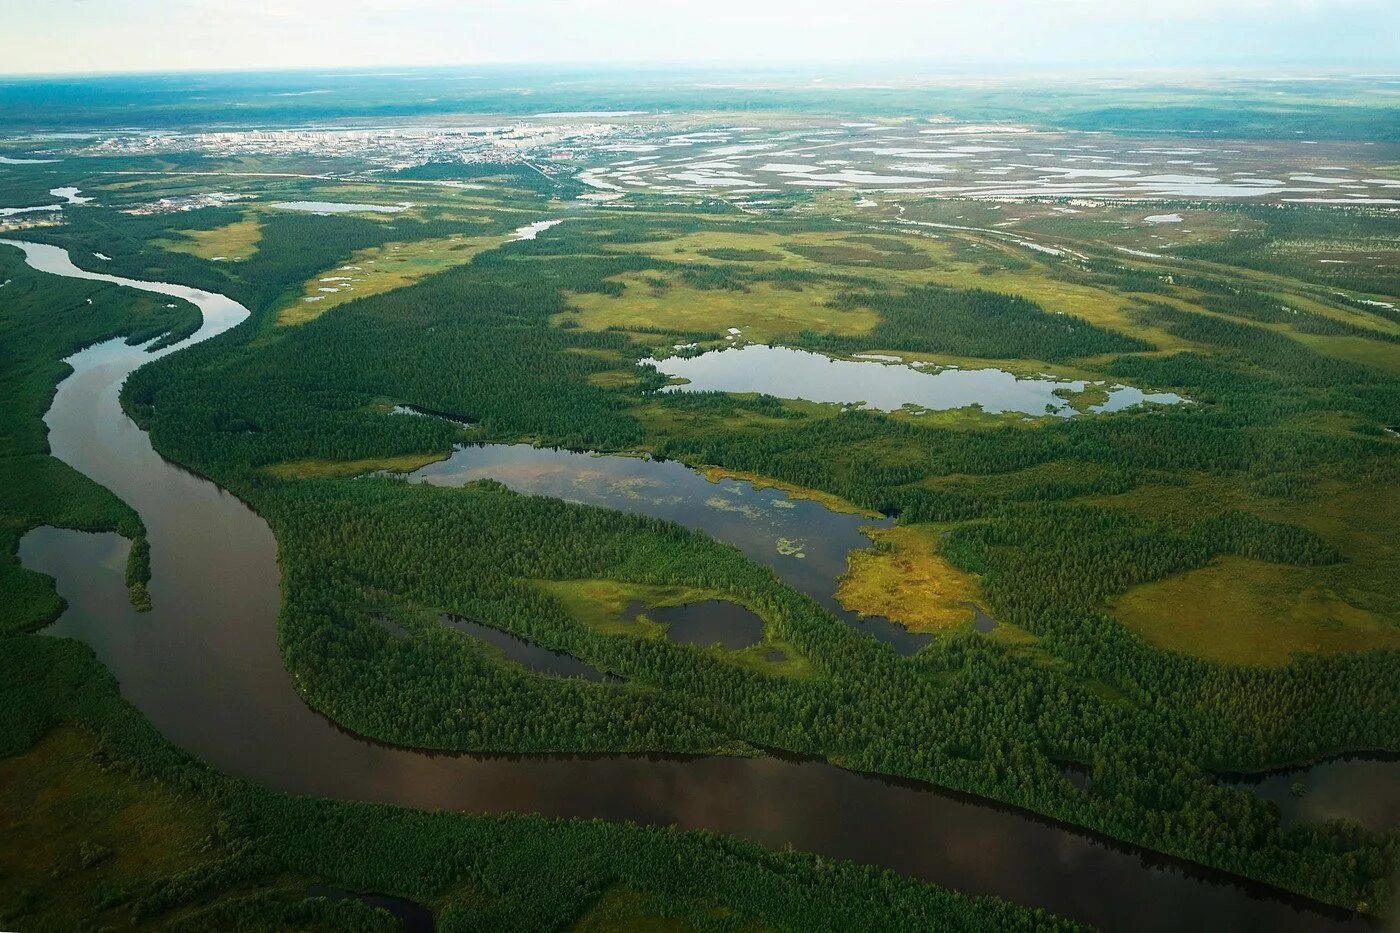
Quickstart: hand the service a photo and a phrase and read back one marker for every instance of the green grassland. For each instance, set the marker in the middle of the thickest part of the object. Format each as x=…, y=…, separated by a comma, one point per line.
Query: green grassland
x=833, y=261
x=1241, y=611
x=1251, y=612
x=231, y=242
x=765, y=311
x=380, y=269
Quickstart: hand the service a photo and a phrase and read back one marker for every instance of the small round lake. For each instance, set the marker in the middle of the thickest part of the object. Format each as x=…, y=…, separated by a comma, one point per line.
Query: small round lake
x=878, y=384
x=802, y=540
x=711, y=622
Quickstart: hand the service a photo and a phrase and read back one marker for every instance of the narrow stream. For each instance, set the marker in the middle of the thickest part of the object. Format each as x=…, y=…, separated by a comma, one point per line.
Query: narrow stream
x=204, y=667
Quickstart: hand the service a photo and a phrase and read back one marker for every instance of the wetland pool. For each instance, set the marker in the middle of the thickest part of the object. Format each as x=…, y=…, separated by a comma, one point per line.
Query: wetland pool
x=527, y=654
x=709, y=622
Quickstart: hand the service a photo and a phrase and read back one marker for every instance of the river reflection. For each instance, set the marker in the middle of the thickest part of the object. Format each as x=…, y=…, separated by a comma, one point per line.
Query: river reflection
x=788, y=373
x=219, y=690
x=1353, y=788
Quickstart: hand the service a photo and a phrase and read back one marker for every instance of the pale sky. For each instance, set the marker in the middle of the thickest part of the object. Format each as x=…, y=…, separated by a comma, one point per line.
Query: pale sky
x=161, y=35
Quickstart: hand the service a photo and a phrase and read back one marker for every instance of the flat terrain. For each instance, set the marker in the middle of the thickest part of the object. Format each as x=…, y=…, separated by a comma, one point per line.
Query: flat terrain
x=1205, y=583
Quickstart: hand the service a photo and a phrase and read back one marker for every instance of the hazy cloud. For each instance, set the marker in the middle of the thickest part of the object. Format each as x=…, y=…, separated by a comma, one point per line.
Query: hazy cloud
x=101, y=35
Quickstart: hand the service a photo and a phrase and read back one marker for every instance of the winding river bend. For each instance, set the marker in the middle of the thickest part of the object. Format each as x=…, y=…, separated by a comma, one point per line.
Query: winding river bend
x=205, y=669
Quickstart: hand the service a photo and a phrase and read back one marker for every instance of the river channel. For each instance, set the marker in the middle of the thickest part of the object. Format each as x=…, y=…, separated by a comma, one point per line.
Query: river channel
x=205, y=669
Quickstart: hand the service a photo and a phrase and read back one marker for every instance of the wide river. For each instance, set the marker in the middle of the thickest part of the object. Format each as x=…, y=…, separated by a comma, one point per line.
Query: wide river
x=204, y=667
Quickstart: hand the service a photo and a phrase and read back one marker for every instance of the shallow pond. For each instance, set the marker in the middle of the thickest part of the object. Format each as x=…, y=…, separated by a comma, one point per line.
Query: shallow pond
x=713, y=621
x=802, y=540
x=1366, y=790
x=788, y=373
x=70, y=195
x=425, y=413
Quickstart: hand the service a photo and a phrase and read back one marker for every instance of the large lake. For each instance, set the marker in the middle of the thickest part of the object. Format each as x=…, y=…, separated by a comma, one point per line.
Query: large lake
x=884, y=385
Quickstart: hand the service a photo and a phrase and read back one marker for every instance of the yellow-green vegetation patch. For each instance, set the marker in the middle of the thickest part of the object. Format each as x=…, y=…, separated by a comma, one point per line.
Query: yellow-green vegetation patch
x=740, y=254
x=1092, y=394
x=614, y=378
x=664, y=421
x=713, y=247
x=969, y=261
x=1248, y=612
x=1381, y=354
x=905, y=579
x=1102, y=307
x=967, y=418
x=1033, y=482
x=1181, y=503
x=863, y=253
x=611, y=607
x=238, y=240
x=763, y=310
x=1242, y=611
x=1025, y=646
x=770, y=656
x=382, y=269
x=602, y=605
x=323, y=469
x=953, y=259
x=70, y=827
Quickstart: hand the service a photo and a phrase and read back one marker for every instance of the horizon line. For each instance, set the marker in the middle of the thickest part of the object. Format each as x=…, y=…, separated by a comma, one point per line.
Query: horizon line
x=1349, y=67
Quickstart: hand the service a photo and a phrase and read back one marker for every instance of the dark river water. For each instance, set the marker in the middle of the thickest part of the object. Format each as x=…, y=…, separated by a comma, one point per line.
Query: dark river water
x=204, y=667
